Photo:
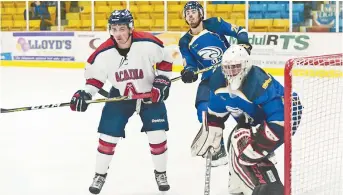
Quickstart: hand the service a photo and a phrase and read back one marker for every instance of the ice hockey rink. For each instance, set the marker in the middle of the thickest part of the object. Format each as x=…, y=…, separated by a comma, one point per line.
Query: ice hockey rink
x=52, y=151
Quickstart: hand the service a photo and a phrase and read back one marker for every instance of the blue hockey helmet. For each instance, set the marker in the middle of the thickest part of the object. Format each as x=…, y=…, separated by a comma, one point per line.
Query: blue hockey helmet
x=121, y=17
x=193, y=5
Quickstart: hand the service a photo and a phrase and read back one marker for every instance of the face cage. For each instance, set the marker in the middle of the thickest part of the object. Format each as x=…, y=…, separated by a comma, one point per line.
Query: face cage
x=232, y=70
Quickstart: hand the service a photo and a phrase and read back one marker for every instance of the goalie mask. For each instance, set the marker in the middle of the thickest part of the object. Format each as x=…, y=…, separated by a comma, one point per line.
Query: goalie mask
x=235, y=65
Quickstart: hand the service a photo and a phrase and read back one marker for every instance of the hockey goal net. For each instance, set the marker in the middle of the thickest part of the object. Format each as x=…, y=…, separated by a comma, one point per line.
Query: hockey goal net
x=314, y=154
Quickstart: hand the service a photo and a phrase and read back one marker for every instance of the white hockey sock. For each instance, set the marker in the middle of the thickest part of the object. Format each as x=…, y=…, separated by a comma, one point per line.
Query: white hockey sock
x=158, y=148
x=105, y=152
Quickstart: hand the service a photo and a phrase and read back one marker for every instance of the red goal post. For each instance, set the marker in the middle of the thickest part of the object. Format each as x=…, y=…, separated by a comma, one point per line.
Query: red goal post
x=314, y=155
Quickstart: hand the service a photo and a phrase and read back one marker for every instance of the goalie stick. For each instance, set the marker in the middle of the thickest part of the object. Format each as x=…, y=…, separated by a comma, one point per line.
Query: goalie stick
x=105, y=93
x=57, y=105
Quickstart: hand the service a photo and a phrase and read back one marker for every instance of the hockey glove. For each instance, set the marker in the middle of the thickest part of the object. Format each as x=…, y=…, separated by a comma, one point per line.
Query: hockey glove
x=78, y=101
x=252, y=144
x=188, y=76
x=209, y=137
x=160, y=89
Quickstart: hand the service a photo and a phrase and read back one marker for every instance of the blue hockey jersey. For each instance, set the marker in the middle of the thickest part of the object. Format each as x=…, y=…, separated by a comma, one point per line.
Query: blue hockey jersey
x=260, y=98
x=206, y=48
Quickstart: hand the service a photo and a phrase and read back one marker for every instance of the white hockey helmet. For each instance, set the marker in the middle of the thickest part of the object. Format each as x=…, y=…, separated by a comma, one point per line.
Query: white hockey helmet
x=235, y=65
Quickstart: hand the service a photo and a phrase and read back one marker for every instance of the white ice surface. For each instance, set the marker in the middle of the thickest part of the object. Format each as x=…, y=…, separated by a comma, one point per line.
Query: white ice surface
x=52, y=151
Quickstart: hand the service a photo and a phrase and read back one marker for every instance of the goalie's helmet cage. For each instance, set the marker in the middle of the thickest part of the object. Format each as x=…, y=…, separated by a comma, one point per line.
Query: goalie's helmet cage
x=314, y=154
x=121, y=17
x=193, y=5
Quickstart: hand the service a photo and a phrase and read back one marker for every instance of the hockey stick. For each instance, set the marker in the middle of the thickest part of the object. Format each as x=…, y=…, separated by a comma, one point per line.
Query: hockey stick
x=115, y=99
x=208, y=172
x=105, y=93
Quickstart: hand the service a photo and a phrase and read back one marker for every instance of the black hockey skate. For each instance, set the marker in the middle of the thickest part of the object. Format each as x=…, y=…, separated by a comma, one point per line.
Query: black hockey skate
x=161, y=180
x=97, y=184
x=220, y=158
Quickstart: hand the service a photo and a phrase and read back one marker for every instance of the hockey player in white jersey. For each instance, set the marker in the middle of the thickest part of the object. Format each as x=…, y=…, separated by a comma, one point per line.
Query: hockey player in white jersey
x=127, y=61
x=255, y=100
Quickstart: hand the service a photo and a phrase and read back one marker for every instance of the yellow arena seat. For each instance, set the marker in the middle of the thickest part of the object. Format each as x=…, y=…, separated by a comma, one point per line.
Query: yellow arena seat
x=240, y=22
x=154, y=15
x=86, y=24
x=116, y=3
x=174, y=16
x=117, y=7
x=174, y=2
x=231, y=21
x=8, y=4
x=20, y=4
x=144, y=8
x=6, y=17
x=84, y=3
x=280, y=25
x=251, y=23
x=73, y=16
x=100, y=25
x=237, y=15
x=19, y=25
x=262, y=25
x=223, y=15
x=74, y=24
x=144, y=24
x=141, y=3
x=158, y=25
x=159, y=8
x=133, y=8
x=102, y=9
x=224, y=8
x=6, y=25
x=87, y=9
x=211, y=8
x=143, y=15
x=18, y=17
x=175, y=8
x=20, y=10
x=100, y=3
x=156, y=3
x=34, y=25
x=85, y=16
x=238, y=8
x=100, y=16
x=10, y=10
x=176, y=25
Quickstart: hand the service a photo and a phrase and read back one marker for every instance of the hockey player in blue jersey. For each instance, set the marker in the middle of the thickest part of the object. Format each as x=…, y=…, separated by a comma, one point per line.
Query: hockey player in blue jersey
x=255, y=99
x=203, y=46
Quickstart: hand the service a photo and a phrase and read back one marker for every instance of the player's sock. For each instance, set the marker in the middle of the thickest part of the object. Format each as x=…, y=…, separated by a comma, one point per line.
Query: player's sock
x=105, y=152
x=158, y=149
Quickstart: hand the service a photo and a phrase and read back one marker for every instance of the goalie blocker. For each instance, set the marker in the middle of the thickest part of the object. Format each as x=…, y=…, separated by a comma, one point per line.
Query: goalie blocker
x=251, y=167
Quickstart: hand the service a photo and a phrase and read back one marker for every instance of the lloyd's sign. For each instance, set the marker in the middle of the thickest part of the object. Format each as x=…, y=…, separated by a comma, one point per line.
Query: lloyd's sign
x=43, y=46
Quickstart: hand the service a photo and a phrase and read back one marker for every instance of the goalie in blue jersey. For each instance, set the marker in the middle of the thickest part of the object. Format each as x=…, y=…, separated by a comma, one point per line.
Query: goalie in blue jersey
x=201, y=47
x=255, y=99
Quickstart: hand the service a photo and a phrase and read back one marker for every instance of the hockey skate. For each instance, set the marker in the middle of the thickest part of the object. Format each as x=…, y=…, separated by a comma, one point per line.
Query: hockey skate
x=220, y=158
x=161, y=180
x=97, y=184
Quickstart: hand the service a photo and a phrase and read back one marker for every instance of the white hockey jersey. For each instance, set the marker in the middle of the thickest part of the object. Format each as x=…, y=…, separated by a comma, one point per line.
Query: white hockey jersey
x=133, y=73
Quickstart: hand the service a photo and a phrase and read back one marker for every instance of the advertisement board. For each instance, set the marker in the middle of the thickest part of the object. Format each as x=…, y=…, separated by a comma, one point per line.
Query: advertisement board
x=42, y=46
x=270, y=50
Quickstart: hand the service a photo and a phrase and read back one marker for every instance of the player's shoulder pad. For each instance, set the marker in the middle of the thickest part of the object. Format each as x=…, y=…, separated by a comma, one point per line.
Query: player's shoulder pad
x=217, y=79
x=185, y=40
x=145, y=36
x=213, y=24
x=256, y=83
x=108, y=44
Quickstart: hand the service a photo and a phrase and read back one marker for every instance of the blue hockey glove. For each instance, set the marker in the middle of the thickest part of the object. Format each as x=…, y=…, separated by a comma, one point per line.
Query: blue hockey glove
x=188, y=76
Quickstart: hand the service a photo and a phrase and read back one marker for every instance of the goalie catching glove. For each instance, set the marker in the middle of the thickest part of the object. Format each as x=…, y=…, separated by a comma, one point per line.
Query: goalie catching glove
x=252, y=144
x=208, y=137
x=160, y=89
